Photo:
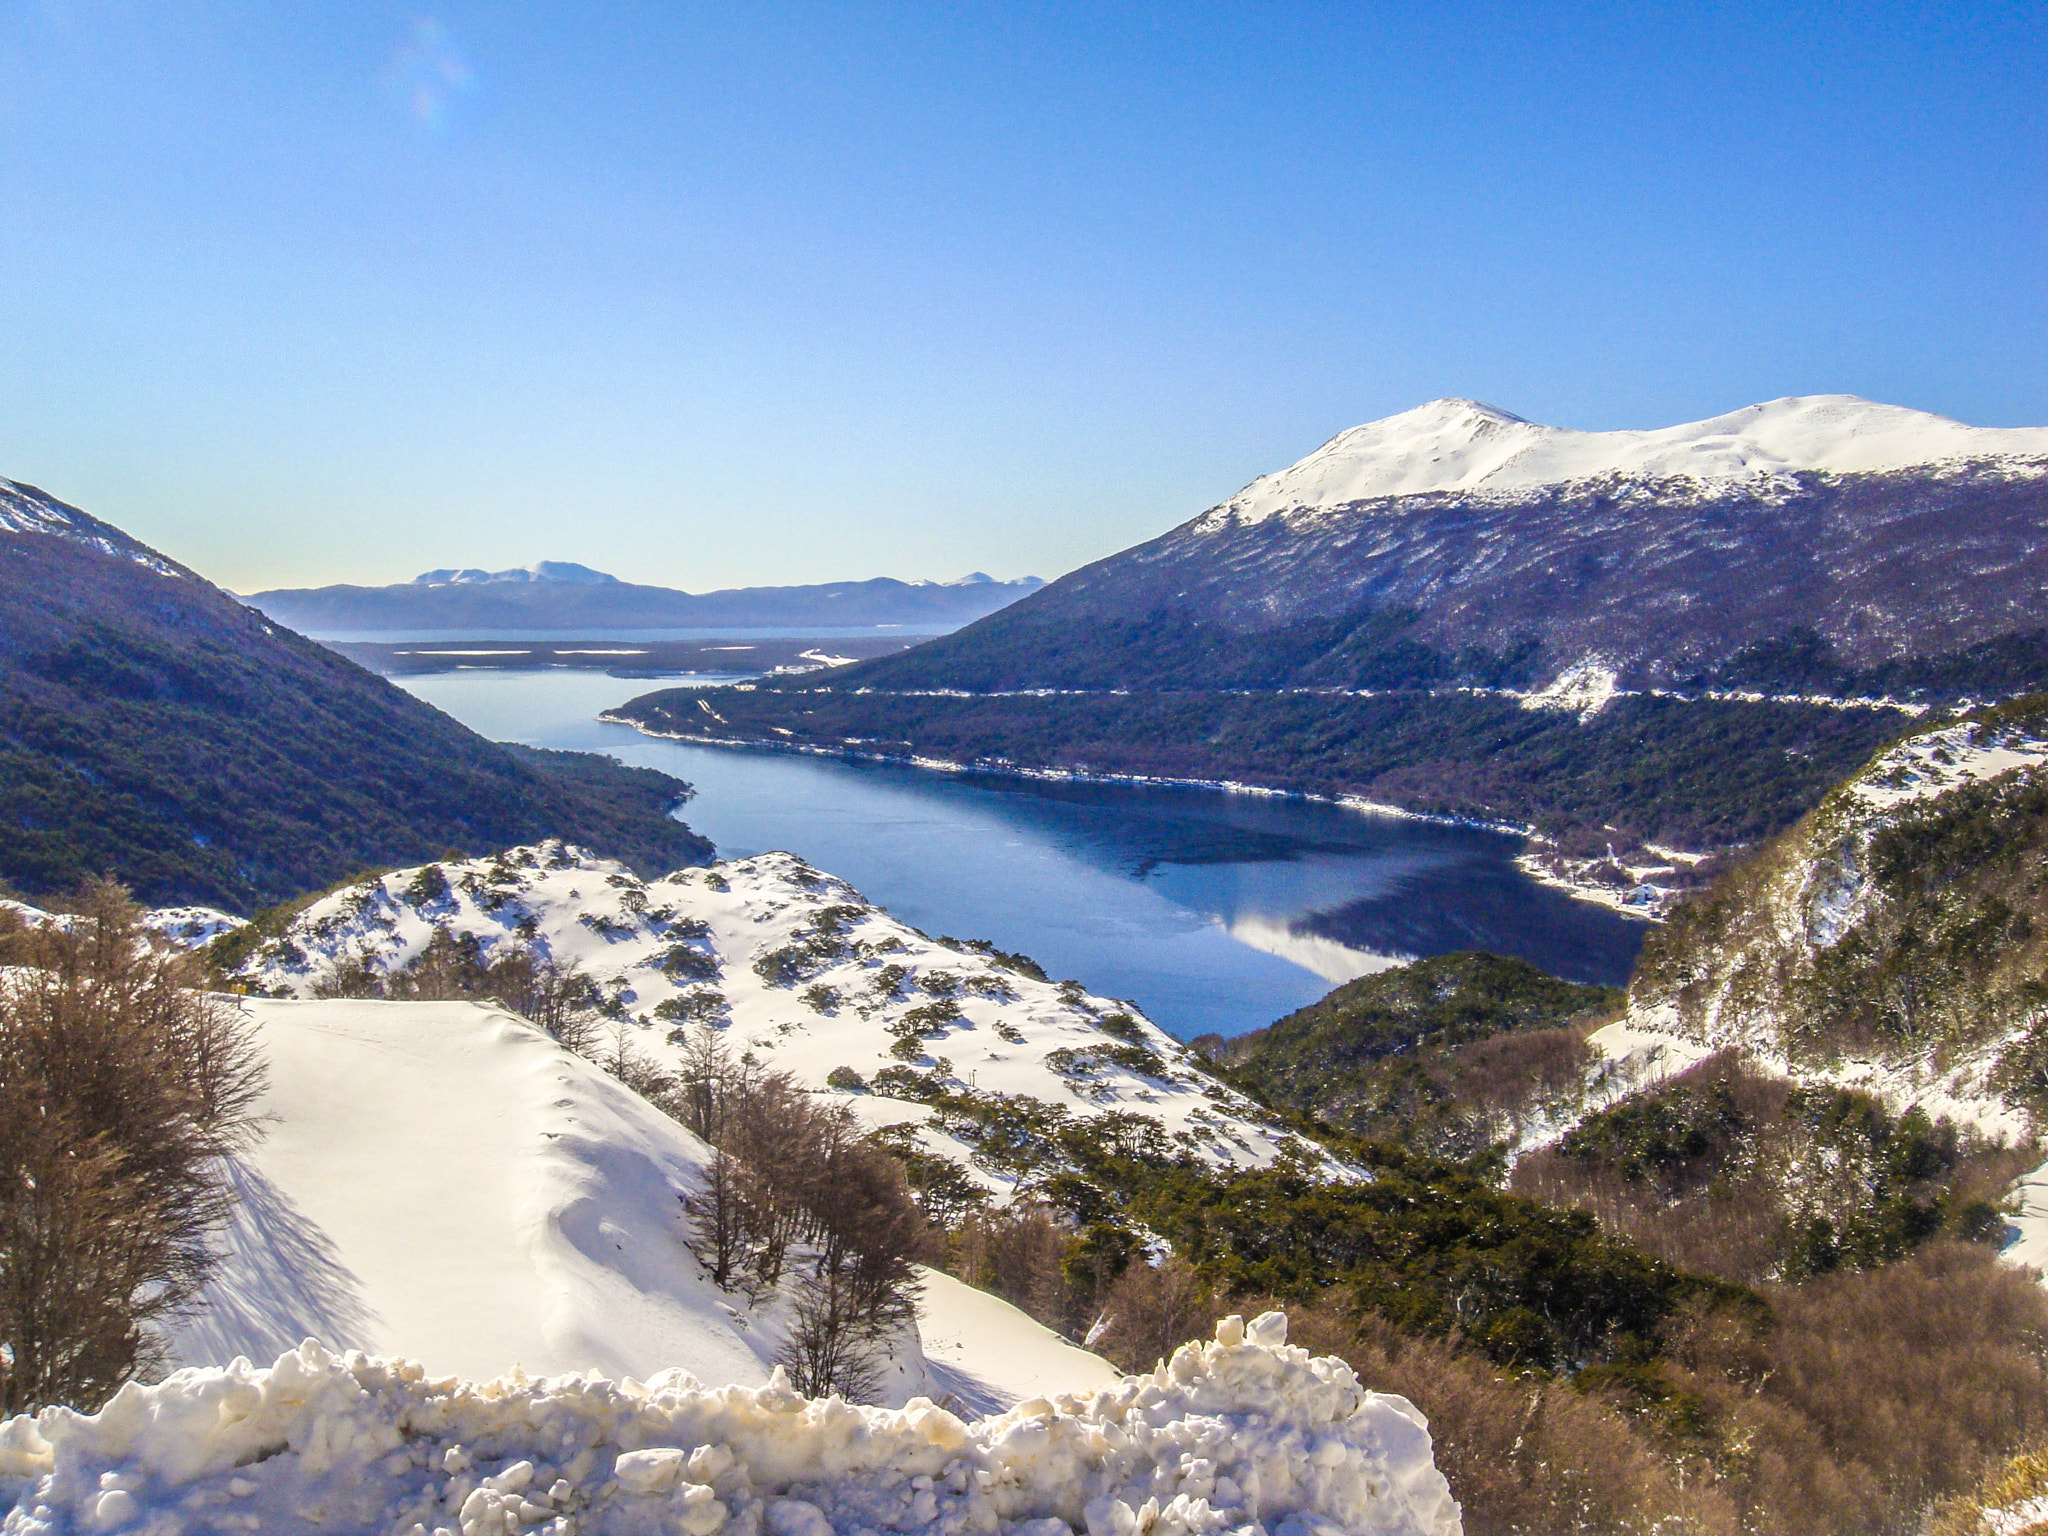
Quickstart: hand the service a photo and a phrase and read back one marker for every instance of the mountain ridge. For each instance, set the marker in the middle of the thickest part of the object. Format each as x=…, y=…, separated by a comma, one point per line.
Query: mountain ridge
x=518, y=599
x=154, y=728
x=1704, y=628
x=1455, y=444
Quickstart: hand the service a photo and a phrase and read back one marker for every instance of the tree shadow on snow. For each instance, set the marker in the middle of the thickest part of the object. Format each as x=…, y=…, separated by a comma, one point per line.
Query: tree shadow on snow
x=280, y=1281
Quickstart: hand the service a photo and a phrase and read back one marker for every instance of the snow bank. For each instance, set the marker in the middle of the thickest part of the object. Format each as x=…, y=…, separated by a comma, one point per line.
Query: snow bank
x=443, y=1181
x=1245, y=1435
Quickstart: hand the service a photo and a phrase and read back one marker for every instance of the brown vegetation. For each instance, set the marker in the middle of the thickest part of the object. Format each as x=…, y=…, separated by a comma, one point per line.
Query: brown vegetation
x=793, y=1186
x=121, y=1088
x=1725, y=1171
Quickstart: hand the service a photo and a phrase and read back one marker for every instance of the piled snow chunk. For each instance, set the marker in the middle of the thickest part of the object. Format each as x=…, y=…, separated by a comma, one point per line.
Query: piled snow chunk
x=1245, y=1435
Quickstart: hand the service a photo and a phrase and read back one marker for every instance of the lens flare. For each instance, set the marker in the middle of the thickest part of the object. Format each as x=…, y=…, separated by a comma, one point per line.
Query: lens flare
x=428, y=74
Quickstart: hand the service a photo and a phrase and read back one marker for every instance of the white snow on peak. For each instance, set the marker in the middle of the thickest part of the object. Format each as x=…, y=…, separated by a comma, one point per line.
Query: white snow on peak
x=561, y=571
x=1466, y=445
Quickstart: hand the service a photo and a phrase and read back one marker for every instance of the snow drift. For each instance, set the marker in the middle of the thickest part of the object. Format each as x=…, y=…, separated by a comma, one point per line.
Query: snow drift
x=1246, y=1435
x=445, y=1182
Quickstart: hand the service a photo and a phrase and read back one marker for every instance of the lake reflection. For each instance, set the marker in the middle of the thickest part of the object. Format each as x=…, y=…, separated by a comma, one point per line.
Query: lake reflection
x=1215, y=912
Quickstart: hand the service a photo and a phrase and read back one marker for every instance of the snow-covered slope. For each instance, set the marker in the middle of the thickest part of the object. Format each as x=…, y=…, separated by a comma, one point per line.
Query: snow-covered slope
x=442, y=1181
x=1246, y=1435
x=1889, y=942
x=1467, y=446
x=25, y=509
x=797, y=967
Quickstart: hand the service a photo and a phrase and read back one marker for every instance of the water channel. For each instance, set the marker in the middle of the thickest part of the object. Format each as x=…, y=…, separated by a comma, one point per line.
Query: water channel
x=1213, y=911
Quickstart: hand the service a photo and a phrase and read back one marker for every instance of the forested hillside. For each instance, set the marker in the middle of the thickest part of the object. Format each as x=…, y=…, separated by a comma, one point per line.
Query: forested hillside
x=154, y=728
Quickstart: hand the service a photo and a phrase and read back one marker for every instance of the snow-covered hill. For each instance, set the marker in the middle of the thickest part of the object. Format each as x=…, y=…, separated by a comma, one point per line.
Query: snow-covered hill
x=1245, y=1435
x=1467, y=446
x=1892, y=942
x=1863, y=948
x=1784, y=548
x=443, y=1181
x=798, y=968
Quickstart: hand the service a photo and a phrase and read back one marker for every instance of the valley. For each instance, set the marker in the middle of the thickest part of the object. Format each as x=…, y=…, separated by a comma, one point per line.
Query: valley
x=1684, y=1024
x=1217, y=912
x=1677, y=638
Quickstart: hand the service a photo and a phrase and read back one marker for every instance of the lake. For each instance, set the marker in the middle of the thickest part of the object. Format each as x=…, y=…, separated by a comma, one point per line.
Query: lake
x=1215, y=912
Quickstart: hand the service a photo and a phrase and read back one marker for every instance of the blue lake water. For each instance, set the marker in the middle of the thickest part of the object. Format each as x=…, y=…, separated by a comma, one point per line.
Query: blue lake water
x=1213, y=911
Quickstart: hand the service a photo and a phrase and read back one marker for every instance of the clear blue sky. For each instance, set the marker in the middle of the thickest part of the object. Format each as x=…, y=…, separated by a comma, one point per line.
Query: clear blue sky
x=725, y=294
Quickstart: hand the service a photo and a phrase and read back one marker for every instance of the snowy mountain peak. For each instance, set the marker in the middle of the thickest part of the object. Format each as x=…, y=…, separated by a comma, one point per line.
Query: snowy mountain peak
x=565, y=571
x=1467, y=445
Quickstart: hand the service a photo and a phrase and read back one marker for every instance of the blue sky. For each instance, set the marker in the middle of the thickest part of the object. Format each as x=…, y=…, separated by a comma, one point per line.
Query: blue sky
x=717, y=295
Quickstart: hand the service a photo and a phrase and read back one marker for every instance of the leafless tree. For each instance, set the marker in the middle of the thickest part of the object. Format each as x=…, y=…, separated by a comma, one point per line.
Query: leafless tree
x=121, y=1088
x=859, y=1286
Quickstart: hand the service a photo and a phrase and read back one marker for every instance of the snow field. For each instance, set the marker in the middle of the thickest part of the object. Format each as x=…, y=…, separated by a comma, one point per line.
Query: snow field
x=444, y=1181
x=799, y=969
x=1931, y=764
x=1245, y=1435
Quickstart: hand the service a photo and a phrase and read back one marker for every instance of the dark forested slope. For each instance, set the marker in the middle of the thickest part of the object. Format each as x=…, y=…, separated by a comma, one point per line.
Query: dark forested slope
x=1427, y=1055
x=153, y=727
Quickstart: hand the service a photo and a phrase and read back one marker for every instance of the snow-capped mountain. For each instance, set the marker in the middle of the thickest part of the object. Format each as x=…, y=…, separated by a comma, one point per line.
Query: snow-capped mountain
x=1825, y=533
x=938, y=1039
x=1469, y=446
x=566, y=571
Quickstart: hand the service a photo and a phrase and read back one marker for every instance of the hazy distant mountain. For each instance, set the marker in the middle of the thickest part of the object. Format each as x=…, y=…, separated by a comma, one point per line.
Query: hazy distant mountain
x=152, y=726
x=556, y=594
x=545, y=570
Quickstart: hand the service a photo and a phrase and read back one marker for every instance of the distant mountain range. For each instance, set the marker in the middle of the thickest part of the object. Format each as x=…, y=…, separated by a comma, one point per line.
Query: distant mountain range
x=1604, y=634
x=153, y=727
x=557, y=594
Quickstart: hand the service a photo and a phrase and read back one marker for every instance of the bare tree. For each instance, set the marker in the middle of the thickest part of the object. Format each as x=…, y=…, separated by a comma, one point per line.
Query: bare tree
x=556, y=995
x=1152, y=1310
x=121, y=1088
x=859, y=1287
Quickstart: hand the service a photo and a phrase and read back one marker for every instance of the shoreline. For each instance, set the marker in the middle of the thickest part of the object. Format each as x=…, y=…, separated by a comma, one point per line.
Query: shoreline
x=1529, y=861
